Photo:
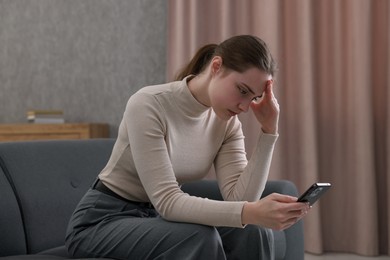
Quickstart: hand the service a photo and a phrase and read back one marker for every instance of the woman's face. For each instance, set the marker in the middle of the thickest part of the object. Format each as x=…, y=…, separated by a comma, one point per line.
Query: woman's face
x=231, y=92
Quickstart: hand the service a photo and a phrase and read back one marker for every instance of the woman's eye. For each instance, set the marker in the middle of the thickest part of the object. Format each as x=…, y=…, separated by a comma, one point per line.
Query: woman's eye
x=242, y=91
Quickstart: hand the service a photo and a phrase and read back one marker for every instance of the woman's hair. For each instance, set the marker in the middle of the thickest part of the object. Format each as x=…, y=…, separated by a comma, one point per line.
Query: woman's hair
x=238, y=53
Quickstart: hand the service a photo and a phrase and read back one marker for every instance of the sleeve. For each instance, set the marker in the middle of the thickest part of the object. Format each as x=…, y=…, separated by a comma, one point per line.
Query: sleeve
x=240, y=180
x=153, y=165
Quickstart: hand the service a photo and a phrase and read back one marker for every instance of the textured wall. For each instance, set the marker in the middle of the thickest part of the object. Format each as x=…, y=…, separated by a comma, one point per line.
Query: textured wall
x=85, y=57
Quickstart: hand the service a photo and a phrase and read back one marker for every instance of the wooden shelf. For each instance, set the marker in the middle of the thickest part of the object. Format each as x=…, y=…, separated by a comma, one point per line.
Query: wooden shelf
x=24, y=132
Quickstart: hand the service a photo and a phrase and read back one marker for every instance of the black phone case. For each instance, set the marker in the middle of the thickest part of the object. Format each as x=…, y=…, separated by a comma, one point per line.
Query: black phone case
x=315, y=191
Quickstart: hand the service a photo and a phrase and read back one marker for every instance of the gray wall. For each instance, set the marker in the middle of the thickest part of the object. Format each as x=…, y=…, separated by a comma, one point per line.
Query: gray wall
x=85, y=57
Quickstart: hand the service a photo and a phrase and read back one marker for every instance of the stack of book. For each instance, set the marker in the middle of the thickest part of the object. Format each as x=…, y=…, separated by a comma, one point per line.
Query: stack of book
x=45, y=116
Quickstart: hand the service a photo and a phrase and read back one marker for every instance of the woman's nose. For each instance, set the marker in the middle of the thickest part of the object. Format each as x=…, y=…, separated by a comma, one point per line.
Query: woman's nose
x=244, y=106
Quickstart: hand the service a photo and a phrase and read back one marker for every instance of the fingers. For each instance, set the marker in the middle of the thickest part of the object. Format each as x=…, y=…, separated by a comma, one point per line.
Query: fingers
x=291, y=218
x=289, y=210
x=299, y=213
x=269, y=86
x=283, y=198
x=286, y=223
x=268, y=92
x=290, y=203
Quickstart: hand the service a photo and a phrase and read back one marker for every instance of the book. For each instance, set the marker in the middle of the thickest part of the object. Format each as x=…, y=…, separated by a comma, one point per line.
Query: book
x=45, y=116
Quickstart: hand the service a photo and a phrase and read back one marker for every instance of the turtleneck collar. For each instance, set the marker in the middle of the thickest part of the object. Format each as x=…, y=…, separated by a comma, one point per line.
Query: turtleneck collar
x=186, y=102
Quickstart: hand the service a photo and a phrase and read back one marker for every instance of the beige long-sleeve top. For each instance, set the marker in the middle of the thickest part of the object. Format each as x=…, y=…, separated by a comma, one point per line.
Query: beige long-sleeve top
x=167, y=138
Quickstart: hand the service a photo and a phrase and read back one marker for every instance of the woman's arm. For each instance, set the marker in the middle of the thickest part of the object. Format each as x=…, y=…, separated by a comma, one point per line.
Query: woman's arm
x=238, y=178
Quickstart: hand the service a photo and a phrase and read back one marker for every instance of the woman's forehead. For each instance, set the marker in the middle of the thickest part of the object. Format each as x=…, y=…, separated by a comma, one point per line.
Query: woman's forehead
x=254, y=78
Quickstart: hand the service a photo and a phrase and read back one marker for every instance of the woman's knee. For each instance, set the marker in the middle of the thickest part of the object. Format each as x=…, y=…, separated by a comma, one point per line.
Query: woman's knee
x=251, y=242
x=203, y=235
x=260, y=233
x=209, y=235
x=205, y=243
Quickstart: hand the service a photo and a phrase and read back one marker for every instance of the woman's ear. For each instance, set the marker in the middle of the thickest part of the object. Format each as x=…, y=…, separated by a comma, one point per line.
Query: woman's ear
x=216, y=65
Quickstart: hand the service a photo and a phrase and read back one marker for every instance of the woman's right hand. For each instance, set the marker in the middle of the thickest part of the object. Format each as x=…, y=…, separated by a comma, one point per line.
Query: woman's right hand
x=267, y=110
x=275, y=211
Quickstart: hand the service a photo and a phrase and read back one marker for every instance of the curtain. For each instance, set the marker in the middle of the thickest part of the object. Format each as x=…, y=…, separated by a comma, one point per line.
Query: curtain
x=332, y=86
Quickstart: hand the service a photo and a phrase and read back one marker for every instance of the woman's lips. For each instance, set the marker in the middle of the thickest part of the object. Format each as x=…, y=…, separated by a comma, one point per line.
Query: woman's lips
x=231, y=113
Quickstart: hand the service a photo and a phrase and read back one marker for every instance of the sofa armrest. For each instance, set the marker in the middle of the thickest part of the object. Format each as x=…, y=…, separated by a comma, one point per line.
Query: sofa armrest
x=294, y=235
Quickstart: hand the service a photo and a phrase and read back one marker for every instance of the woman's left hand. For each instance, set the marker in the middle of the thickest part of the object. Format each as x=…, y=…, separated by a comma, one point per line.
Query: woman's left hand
x=267, y=110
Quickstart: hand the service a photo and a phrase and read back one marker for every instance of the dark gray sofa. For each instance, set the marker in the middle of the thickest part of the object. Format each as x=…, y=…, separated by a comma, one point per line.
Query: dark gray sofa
x=42, y=181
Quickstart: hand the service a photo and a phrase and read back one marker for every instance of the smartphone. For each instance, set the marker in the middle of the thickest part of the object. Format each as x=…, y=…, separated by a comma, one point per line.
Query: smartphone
x=313, y=193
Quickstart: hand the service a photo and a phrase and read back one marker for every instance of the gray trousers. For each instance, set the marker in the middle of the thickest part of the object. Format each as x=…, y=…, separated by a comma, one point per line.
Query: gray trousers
x=104, y=226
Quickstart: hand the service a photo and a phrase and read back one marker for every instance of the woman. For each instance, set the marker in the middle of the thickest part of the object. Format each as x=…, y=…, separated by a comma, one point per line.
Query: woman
x=172, y=134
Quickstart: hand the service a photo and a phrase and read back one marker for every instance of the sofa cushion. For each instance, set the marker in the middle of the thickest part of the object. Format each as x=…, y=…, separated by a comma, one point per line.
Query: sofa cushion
x=57, y=251
x=12, y=239
x=50, y=177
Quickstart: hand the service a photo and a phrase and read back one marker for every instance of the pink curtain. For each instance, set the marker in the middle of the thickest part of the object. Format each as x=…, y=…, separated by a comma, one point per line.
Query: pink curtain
x=332, y=86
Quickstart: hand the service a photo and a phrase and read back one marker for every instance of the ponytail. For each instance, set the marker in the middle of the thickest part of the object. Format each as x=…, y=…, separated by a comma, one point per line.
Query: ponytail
x=238, y=53
x=198, y=63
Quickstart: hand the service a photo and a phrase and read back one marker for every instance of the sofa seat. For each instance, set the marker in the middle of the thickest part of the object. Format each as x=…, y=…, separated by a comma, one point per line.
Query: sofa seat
x=41, y=183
